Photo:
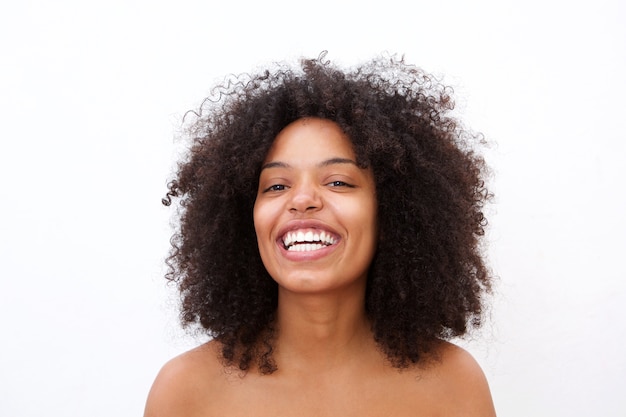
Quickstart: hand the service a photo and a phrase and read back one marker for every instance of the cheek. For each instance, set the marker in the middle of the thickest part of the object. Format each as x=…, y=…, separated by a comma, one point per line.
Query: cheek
x=369, y=219
x=257, y=218
x=263, y=216
x=367, y=209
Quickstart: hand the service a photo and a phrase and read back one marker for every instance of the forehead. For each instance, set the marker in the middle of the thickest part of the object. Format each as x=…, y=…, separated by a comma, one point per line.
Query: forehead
x=311, y=139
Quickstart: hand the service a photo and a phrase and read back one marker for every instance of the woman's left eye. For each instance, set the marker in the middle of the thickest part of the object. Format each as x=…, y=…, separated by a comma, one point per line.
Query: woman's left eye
x=339, y=184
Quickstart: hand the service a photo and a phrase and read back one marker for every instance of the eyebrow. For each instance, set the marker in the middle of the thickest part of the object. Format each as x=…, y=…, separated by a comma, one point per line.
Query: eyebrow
x=327, y=162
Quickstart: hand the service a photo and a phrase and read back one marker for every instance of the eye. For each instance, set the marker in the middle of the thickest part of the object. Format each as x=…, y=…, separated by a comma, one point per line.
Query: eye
x=340, y=184
x=275, y=187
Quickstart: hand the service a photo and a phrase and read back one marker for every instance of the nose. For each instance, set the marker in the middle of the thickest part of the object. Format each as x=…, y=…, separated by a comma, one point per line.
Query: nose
x=305, y=197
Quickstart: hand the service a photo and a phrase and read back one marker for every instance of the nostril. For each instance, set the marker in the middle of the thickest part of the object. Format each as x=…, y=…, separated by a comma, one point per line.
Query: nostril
x=308, y=208
x=304, y=200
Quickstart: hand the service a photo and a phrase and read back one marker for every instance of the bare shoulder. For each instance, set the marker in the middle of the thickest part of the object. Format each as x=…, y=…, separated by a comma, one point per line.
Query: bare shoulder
x=459, y=383
x=182, y=384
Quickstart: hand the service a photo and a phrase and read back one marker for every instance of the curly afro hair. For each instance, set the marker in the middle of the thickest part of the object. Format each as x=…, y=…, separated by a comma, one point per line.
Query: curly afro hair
x=428, y=277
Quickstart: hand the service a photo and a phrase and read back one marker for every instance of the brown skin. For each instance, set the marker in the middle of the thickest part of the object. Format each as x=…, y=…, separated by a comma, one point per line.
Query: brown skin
x=329, y=362
x=196, y=384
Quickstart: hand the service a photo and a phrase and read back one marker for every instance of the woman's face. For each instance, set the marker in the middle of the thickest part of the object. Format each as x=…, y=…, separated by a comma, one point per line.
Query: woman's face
x=315, y=213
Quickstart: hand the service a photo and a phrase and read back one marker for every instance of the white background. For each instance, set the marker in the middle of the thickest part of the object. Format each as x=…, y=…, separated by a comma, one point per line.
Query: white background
x=91, y=97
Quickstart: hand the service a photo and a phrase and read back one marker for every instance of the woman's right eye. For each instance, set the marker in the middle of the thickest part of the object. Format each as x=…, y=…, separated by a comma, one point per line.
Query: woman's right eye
x=275, y=187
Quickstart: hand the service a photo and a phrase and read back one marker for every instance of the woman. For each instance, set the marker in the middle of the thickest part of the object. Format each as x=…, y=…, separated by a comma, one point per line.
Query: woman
x=329, y=243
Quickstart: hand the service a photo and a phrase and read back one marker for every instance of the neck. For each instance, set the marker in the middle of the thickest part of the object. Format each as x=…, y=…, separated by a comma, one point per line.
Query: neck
x=318, y=332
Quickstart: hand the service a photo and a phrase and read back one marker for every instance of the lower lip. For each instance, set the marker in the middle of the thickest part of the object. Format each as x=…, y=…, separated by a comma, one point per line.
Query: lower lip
x=304, y=256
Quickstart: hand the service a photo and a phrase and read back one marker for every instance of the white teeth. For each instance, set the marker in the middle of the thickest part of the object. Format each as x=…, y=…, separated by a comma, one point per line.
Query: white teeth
x=307, y=247
x=301, y=241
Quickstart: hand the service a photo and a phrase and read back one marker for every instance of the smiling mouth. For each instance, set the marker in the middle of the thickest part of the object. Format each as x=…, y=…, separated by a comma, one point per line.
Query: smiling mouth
x=307, y=240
